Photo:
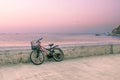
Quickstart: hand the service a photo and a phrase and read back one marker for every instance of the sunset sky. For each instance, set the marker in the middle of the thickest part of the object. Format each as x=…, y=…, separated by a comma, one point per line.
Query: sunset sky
x=62, y=16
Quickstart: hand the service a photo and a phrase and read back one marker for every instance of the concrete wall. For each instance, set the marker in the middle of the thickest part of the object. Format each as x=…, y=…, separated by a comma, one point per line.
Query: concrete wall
x=82, y=51
x=14, y=56
x=22, y=56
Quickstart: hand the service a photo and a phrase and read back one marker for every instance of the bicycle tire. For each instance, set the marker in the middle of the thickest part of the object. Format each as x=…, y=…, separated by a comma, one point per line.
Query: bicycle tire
x=58, y=55
x=37, y=60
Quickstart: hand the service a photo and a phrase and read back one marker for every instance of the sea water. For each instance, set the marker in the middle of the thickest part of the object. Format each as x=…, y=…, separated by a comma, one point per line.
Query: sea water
x=10, y=41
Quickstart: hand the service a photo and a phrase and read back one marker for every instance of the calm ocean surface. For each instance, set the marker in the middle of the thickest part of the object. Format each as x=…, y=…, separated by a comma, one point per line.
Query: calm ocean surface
x=22, y=41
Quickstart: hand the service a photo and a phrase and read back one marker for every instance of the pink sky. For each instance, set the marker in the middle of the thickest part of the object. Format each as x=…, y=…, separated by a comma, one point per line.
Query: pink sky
x=59, y=15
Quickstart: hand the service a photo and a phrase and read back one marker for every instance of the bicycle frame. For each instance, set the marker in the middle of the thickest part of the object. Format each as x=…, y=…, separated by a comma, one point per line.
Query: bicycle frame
x=44, y=49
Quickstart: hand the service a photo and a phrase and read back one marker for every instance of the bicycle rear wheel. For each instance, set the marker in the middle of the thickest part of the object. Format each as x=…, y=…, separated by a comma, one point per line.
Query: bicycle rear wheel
x=36, y=57
x=58, y=54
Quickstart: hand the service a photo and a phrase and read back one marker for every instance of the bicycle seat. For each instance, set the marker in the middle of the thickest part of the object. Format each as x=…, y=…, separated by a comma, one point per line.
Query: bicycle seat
x=51, y=45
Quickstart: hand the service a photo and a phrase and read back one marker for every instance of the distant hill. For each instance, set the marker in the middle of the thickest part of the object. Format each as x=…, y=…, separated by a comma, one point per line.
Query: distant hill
x=116, y=31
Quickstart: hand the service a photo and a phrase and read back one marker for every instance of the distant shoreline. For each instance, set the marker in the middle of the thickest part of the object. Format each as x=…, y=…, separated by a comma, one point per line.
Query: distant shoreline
x=21, y=41
x=4, y=48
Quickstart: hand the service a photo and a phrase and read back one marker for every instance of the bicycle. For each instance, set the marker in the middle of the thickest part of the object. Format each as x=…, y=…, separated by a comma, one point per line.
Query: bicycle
x=37, y=55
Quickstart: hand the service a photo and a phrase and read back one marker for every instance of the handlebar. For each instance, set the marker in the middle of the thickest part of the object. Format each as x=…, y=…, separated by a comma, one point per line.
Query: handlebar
x=39, y=40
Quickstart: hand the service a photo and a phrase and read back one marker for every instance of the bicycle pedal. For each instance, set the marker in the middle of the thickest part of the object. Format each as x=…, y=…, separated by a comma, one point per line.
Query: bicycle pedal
x=49, y=56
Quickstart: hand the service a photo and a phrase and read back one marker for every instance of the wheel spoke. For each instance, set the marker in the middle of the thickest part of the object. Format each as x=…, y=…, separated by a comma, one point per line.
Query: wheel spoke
x=37, y=58
x=58, y=54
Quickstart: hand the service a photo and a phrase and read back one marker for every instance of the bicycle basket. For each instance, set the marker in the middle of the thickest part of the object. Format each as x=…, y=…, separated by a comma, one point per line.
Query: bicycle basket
x=34, y=45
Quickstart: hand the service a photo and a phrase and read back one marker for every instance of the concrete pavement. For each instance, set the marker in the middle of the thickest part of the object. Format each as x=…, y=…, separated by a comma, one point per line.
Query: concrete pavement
x=105, y=67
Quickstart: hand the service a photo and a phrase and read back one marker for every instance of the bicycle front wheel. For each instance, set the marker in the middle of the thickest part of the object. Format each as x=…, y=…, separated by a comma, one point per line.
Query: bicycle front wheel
x=36, y=57
x=58, y=54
